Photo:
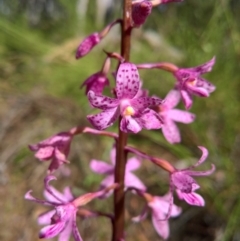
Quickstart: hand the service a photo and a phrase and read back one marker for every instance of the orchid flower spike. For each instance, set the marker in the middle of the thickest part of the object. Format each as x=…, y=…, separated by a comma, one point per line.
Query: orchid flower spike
x=159, y=207
x=62, y=220
x=131, y=180
x=190, y=82
x=99, y=80
x=93, y=39
x=132, y=107
x=170, y=115
x=56, y=148
x=185, y=185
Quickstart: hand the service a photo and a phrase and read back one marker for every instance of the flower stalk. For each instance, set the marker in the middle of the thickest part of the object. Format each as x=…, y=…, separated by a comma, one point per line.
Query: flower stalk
x=119, y=195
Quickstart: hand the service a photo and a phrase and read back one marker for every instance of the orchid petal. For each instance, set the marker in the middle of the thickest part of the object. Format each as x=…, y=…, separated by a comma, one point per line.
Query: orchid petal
x=130, y=125
x=193, y=198
x=60, y=197
x=55, y=194
x=181, y=116
x=66, y=233
x=75, y=231
x=132, y=180
x=170, y=131
x=142, y=103
x=67, y=194
x=45, y=218
x=172, y=99
x=132, y=164
x=101, y=101
x=29, y=197
x=104, y=119
x=200, y=173
x=101, y=167
x=161, y=227
x=128, y=81
x=204, y=68
x=44, y=153
x=51, y=231
x=187, y=99
x=149, y=120
x=113, y=155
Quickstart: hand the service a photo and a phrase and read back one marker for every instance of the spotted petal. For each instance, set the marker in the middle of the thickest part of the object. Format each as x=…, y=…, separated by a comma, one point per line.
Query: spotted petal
x=128, y=81
x=104, y=119
x=204, y=68
x=102, y=102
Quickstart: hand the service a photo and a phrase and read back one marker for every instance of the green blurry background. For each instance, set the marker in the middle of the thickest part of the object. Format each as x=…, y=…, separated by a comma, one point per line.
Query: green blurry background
x=40, y=96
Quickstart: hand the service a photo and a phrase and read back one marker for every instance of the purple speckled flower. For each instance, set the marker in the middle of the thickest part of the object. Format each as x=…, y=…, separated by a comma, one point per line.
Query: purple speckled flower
x=132, y=107
x=131, y=180
x=55, y=148
x=190, y=82
x=62, y=220
x=170, y=115
x=159, y=208
x=140, y=12
x=185, y=185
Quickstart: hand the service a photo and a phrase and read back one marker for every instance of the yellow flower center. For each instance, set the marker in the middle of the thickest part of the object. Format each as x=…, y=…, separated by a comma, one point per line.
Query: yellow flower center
x=129, y=111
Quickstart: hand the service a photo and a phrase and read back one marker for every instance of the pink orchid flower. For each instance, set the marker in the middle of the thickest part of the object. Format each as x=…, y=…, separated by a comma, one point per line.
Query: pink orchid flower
x=159, y=208
x=131, y=180
x=191, y=83
x=185, y=185
x=132, y=107
x=55, y=148
x=170, y=115
x=62, y=220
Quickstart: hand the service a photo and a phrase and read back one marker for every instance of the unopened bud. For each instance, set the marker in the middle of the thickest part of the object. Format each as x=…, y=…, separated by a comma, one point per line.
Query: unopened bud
x=140, y=12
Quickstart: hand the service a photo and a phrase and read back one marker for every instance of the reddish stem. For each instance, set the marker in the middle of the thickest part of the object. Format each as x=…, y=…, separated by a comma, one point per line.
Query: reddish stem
x=119, y=195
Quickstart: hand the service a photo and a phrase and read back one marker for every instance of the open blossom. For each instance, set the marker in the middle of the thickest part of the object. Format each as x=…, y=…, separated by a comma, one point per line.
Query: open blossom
x=55, y=148
x=190, y=82
x=185, y=185
x=159, y=207
x=132, y=107
x=131, y=180
x=62, y=220
x=170, y=115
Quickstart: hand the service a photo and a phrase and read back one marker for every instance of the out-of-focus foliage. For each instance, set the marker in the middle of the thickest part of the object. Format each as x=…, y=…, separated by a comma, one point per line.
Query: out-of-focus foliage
x=38, y=40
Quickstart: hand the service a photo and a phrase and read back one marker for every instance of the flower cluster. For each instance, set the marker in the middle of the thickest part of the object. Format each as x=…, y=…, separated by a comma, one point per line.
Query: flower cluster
x=134, y=109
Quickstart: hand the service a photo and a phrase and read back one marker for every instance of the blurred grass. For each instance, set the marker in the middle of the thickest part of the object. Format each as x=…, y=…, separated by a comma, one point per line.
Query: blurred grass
x=42, y=57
